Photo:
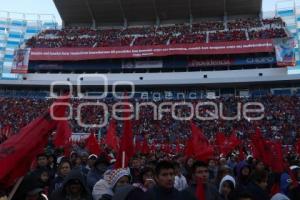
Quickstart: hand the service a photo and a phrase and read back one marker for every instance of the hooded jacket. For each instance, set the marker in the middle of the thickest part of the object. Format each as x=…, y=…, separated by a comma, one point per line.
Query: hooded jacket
x=226, y=178
x=61, y=194
x=279, y=196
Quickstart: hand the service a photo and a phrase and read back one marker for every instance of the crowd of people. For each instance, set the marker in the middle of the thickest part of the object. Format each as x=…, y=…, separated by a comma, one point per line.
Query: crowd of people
x=280, y=118
x=165, y=172
x=156, y=176
x=202, y=32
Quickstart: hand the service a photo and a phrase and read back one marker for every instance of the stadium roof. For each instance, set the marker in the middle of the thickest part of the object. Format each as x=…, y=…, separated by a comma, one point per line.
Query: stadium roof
x=133, y=11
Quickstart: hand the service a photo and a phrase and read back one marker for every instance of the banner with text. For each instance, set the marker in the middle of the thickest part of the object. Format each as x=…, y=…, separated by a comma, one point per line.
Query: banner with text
x=67, y=54
x=231, y=61
x=285, y=52
x=21, y=61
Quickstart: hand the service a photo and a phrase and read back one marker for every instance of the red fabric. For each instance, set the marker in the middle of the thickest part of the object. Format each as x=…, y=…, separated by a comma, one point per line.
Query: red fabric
x=275, y=189
x=63, y=134
x=200, y=191
x=111, y=138
x=126, y=143
x=189, y=149
x=268, y=151
x=276, y=155
x=226, y=144
x=298, y=146
x=242, y=155
x=92, y=144
x=202, y=150
x=20, y=150
x=177, y=151
x=258, y=145
x=68, y=148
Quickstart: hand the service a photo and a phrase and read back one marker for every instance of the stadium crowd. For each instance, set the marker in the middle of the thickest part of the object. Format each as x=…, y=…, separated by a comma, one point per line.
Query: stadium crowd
x=211, y=31
x=280, y=121
x=164, y=171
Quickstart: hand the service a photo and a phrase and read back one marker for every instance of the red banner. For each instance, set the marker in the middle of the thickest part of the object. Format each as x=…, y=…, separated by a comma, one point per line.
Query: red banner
x=237, y=47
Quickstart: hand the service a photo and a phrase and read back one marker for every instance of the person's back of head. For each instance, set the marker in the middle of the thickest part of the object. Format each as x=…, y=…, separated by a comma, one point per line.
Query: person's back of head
x=260, y=178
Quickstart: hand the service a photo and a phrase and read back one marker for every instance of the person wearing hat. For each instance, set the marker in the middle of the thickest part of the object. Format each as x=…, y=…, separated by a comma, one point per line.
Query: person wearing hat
x=91, y=161
x=112, y=181
x=73, y=188
x=226, y=188
x=243, y=175
x=96, y=173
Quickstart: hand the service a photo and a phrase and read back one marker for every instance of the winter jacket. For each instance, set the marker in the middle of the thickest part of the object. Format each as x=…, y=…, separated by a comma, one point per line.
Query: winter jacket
x=129, y=192
x=61, y=194
x=257, y=192
x=211, y=193
x=93, y=176
x=159, y=193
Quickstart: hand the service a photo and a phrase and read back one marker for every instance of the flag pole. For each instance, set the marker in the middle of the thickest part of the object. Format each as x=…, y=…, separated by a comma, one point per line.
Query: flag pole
x=123, y=159
x=14, y=190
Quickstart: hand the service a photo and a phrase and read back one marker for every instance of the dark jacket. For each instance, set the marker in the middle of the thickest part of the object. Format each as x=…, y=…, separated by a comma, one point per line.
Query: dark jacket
x=129, y=192
x=61, y=194
x=93, y=176
x=159, y=193
x=30, y=182
x=56, y=184
x=257, y=192
x=211, y=193
x=295, y=193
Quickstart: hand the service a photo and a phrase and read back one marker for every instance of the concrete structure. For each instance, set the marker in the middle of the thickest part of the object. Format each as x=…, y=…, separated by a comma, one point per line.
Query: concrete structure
x=15, y=29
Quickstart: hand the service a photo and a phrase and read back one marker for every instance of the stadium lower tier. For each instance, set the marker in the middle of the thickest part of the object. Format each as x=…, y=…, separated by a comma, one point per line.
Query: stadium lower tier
x=280, y=116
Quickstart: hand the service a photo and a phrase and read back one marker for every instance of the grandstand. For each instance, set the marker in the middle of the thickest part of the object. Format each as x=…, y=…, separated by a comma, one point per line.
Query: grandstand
x=15, y=30
x=205, y=62
x=220, y=51
x=148, y=44
x=289, y=11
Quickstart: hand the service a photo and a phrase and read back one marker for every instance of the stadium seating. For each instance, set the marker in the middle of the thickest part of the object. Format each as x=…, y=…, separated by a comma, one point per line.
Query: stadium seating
x=281, y=113
x=232, y=30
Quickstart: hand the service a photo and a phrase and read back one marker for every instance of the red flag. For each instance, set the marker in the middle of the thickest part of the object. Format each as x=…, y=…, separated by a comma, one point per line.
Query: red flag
x=242, y=155
x=92, y=144
x=258, y=143
x=201, y=147
x=227, y=144
x=20, y=150
x=63, y=133
x=276, y=157
x=111, y=139
x=126, y=144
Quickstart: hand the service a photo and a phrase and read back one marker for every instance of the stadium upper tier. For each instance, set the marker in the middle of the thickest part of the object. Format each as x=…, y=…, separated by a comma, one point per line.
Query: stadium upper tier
x=120, y=12
x=202, y=32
